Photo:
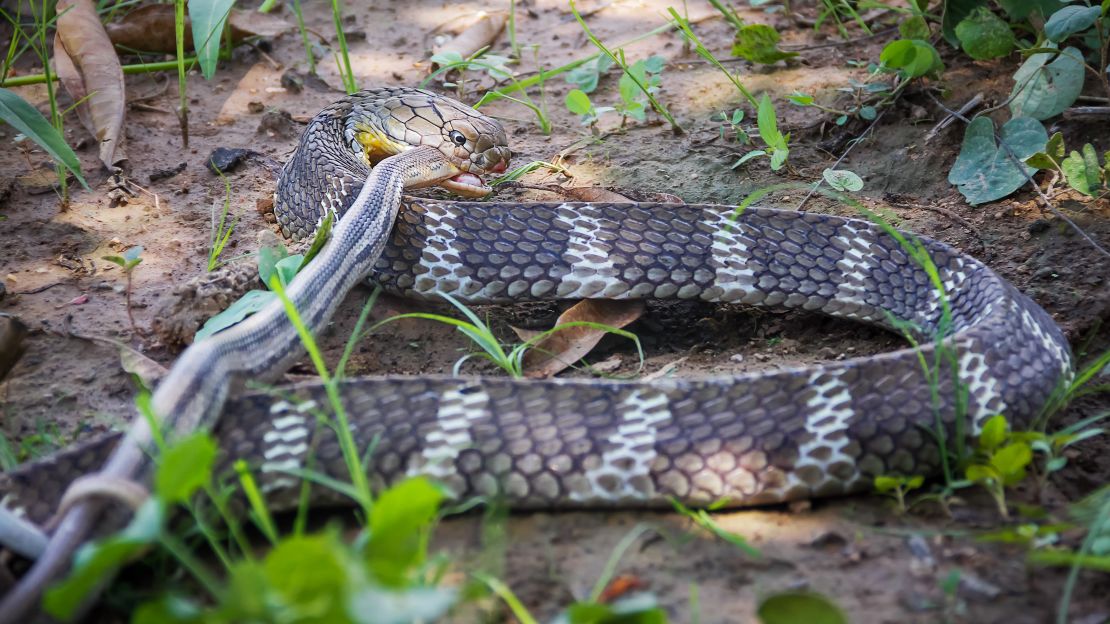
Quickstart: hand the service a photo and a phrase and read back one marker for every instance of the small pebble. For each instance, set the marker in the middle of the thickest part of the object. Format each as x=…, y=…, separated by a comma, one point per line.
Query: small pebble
x=737, y=357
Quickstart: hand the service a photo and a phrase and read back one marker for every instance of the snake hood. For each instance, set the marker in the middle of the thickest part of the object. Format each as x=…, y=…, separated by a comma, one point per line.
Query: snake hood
x=341, y=143
x=387, y=121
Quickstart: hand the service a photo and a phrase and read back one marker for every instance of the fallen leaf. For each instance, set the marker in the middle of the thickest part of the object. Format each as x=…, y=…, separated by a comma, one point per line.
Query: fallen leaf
x=96, y=75
x=151, y=28
x=560, y=349
x=146, y=369
x=594, y=194
x=621, y=586
x=480, y=34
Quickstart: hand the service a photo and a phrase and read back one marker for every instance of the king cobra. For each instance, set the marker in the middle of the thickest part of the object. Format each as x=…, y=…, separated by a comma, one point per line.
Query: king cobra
x=757, y=438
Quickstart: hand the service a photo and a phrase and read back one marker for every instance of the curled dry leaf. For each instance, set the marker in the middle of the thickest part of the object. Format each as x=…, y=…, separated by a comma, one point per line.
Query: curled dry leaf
x=565, y=347
x=151, y=28
x=476, y=36
x=88, y=66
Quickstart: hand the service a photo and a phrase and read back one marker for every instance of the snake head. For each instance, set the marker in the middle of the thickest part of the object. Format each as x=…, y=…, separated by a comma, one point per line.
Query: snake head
x=393, y=120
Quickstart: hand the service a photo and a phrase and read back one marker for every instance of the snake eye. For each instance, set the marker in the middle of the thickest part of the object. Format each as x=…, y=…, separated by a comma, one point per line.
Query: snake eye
x=457, y=137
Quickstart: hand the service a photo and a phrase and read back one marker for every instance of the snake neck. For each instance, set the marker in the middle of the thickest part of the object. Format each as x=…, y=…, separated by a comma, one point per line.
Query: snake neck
x=324, y=154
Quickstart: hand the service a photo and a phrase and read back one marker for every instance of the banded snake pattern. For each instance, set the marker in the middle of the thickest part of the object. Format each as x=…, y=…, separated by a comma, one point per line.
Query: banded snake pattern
x=757, y=438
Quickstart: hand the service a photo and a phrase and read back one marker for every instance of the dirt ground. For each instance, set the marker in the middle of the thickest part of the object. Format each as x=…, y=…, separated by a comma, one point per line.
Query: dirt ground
x=877, y=565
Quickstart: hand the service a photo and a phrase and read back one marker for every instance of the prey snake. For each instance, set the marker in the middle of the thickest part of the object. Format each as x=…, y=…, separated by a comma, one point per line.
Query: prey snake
x=757, y=438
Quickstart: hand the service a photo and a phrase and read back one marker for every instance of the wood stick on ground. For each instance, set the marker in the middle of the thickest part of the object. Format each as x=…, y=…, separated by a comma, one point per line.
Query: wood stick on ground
x=948, y=119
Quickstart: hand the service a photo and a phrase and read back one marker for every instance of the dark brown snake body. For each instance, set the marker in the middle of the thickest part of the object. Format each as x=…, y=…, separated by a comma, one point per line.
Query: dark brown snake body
x=757, y=438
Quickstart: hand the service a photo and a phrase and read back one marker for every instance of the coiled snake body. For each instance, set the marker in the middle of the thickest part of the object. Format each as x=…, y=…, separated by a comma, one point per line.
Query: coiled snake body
x=756, y=438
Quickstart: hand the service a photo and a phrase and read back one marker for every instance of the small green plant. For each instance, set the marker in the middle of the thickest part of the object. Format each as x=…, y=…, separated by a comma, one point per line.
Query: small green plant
x=1050, y=447
x=999, y=461
x=519, y=172
x=636, y=79
x=490, y=348
x=633, y=102
x=127, y=262
x=777, y=147
x=497, y=68
x=221, y=232
x=734, y=125
x=703, y=519
x=866, y=99
x=587, y=75
x=897, y=487
x=1081, y=170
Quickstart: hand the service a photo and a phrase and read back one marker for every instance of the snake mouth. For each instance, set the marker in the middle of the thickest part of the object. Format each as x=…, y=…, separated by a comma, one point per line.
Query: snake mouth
x=467, y=184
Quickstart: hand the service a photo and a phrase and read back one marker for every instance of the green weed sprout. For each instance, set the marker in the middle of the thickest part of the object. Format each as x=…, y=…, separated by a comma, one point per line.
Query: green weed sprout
x=128, y=261
x=490, y=348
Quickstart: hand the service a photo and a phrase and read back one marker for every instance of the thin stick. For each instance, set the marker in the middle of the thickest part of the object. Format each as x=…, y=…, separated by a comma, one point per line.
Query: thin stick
x=948, y=119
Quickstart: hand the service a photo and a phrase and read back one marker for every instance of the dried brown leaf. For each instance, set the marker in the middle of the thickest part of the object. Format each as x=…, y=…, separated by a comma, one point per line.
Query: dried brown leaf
x=594, y=194
x=96, y=74
x=565, y=347
x=482, y=33
x=151, y=28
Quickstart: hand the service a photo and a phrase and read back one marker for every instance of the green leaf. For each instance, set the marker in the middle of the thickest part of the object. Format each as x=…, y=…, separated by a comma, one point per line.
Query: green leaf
x=208, y=18
x=914, y=28
x=912, y=57
x=1021, y=9
x=978, y=473
x=1070, y=20
x=994, y=433
x=801, y=99
x=578, y=102
x=654, y=64
x=1043, y=89
x=399, y=524
x=746, y=157
x=954, y=12
x=97, y=560
x=318, y=240
x=184, y=467
x=636, y=609
x=842, y=180
x=246, y=305
x=286, y=268
x=759, y=43
x=1010, y=462
x=168, y=609
x=376, y=605
x=309, y=574
x=884, y=484
x=984, y=171
x=115, y=260
x=868, y=112
x=268, y=257
x=1052, y=155
x=795, y=607
x=20, y=115
x=586, y=75
x=1082, y=171
x=984, y=35
x=132, y=255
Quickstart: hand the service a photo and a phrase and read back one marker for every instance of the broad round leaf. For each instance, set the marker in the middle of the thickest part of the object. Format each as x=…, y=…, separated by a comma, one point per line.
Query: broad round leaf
x=1070, y=20
x=843, y=180
x=985, y=171
x=984, y=35
x=795, y=607
x=1043, y=89
x=578, y=102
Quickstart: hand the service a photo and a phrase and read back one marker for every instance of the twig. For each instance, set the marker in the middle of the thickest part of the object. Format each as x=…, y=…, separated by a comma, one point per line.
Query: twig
x=1087, y=111
x=943, y=211
x=1028, y=178
x=948, y=119
x=35, y=291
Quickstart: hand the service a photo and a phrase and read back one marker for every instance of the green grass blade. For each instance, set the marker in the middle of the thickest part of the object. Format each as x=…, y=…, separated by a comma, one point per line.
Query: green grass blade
x=23, y=117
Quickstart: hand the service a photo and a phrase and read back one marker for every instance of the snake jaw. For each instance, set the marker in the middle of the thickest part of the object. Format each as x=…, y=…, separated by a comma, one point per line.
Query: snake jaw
x=467, y=184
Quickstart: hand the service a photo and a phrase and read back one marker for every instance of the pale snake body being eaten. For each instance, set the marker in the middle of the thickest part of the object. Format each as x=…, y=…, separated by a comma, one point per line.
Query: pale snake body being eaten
x=763, y=437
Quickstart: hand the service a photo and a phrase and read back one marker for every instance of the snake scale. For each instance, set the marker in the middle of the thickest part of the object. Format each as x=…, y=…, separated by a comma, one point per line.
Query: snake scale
x=763, y=437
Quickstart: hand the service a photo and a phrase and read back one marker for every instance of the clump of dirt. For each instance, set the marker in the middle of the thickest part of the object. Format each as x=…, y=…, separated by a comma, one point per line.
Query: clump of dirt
x=879, y=566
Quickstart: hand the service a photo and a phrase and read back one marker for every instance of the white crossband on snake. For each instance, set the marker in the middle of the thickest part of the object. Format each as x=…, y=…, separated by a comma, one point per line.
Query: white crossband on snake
x=763, y=437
